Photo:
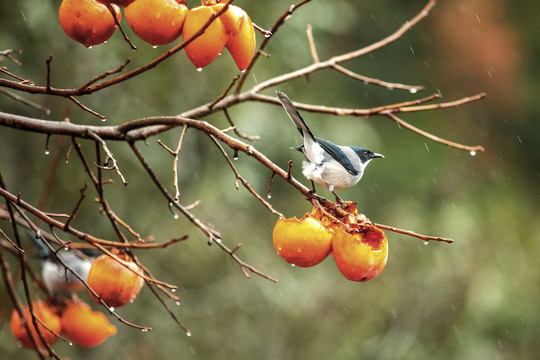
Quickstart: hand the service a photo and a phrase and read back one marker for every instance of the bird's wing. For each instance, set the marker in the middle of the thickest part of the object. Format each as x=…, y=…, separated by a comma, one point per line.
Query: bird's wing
x=338, y=154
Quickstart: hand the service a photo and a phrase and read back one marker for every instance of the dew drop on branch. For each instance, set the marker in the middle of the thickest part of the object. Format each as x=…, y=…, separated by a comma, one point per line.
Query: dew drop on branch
x=426, y=242
x=472, y=152
x=199, y=69
x=413, y=90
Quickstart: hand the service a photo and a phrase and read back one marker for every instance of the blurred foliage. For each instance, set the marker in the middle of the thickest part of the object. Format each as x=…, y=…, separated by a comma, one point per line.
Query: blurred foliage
x=475, y=299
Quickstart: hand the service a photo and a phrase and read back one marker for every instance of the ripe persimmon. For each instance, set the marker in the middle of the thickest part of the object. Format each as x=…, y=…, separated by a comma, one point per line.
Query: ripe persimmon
x=360, y=253
x=156, y=22
x=206, y=47
x=46, y=316
x=87, y=21
x=113, y=282
x=85, y=327
x=302, y=242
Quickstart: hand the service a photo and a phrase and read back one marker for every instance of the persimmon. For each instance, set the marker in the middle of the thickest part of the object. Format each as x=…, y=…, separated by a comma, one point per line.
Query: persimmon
x=49, y=329
x=206, y=47
x=85, y=327
x=302, y=242
x=360, y=253
x=87, y=21
x=241, y=43
x=156, y=22
x=113, y=282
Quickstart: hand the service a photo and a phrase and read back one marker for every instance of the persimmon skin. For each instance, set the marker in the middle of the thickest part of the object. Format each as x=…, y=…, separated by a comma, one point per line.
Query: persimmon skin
x=206, y=47
x=113, y=282
x=157, y=22
x=85, y=327
x=362, y=255
x=88, y=22
x=44, y=313
x=302, y=242
x=241, y=45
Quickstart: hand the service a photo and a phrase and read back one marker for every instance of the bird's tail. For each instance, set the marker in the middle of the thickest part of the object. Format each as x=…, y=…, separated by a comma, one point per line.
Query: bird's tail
x=295, y=116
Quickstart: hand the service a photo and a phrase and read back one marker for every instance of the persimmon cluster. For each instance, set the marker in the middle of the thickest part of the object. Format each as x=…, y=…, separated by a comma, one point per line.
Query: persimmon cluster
x=160, y=22
x=360, y=249
x=116, y=282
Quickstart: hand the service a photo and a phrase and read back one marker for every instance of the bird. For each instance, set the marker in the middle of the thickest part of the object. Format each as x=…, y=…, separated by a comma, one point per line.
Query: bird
x=333, y=166
x=53, y=272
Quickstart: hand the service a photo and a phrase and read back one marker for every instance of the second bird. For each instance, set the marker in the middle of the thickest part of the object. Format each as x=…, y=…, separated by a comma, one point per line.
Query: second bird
x=333, y=166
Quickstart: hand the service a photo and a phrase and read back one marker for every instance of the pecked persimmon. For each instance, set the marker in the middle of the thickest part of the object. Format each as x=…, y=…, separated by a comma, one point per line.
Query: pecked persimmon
x=121, y=3
x=85, y=327
x=360, y=253
x=302, y=242
x=87, y=21
x=206, y=47
x=49, y=327
x=157, y=22
x=115, y=283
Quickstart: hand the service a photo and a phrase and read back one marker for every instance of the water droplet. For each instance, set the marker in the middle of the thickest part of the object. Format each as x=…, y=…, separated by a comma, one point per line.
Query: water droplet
x=293, y=264
x=170, y=204
x=111, y=309
x=267, y=35
x=279, y=249
x=188, y=333
x=70, y=343
x=219, y=54
x=175, y=216
x=103, y=119
x=426, y=242
x=89, y=47
x=218, y=240
x=66, y=248
x=144, y=330
x=390, y=88
x=269, y=196
x=178, y=303
x=472, y=152
x=235, y=157
x=131, y=301
x=47, y=152
x=298, y=249
x=48, y=112
x=199, y=69
x=173, y=290
x=154, y=46
x=243, y=71
x=413, y=90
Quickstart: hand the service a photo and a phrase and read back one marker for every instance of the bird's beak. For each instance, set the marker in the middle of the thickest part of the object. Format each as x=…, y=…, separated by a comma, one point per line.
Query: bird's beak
x=375, y=155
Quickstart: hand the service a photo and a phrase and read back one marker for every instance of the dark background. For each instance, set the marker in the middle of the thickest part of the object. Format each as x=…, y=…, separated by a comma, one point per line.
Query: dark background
x=477, y=298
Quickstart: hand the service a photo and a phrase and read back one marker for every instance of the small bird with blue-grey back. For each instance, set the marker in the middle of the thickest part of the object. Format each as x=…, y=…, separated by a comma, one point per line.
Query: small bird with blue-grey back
x=333, y=166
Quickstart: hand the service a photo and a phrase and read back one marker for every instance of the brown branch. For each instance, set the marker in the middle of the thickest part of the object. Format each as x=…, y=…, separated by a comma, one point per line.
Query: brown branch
x=279, y=22
x=27, y=102
x=426, y=238
x=86, y=108
x=312, y=47
x=433, y=137
x=7, y=53
x=367, y=80
x=242, y=180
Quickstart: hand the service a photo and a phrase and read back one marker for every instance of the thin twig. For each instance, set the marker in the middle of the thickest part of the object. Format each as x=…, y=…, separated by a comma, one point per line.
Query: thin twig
x=24, y=101
x=86, y=108
x=312, y=47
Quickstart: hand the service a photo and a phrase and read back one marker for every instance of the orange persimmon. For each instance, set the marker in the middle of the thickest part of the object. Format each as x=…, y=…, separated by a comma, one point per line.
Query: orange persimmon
x=302, y=242
x=156, y=22
x=113, y=282
x=85, y=327
x=46, y=315
x=87, y=21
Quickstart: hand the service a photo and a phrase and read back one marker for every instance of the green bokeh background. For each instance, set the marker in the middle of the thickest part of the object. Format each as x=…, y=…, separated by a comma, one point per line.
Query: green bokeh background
x=477, y=298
